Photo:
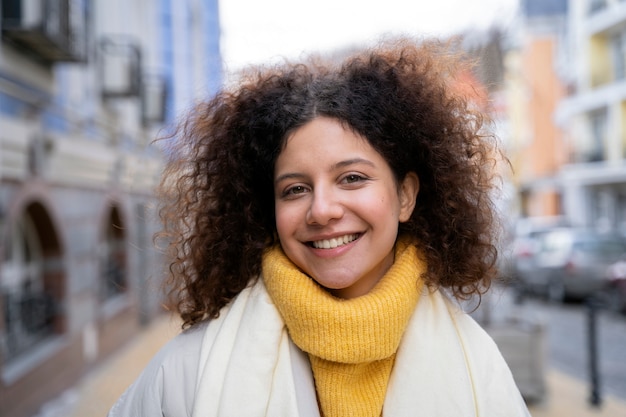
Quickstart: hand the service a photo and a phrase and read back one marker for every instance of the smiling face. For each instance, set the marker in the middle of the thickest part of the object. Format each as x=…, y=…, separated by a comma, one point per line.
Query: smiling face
x=338, y=207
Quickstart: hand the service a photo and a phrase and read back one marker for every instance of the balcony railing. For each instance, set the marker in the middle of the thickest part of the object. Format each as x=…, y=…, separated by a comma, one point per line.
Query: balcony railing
x=51, y=30
x=597, y=5
x=120, y=66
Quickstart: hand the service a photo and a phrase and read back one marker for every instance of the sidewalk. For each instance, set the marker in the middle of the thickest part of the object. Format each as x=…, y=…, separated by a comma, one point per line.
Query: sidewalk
x=100, y=389
x=567, y=397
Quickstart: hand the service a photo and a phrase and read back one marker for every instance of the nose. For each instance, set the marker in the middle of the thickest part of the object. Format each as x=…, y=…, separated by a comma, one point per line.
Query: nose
x=325, y=207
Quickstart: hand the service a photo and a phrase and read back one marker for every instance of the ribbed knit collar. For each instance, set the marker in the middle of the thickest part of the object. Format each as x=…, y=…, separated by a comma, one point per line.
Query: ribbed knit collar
x=356, y=330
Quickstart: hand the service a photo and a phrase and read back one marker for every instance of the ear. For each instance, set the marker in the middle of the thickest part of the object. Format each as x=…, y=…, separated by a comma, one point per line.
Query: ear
x=409, y=188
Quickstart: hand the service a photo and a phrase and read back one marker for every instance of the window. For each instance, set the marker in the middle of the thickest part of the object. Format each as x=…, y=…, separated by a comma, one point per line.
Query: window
x=593, y=147
x=598, y=134
x=113, y=259
x=618, y=55
x=30, y=294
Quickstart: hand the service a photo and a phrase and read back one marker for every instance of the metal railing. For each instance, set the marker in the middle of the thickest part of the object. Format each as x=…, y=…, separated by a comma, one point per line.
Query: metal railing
x=28, y=319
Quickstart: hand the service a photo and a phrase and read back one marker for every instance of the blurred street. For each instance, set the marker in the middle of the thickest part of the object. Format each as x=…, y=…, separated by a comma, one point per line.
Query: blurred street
x=568, y=343
x=565, y=375
x=566, y=348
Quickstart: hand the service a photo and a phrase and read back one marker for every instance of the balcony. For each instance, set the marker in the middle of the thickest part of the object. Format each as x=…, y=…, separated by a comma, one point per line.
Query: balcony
x=52, y=31
x=607, y=20
x=120, y=65
x=597, y=5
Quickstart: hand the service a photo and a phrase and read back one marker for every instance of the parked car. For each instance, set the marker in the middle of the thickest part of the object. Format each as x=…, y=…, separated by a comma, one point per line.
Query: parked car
x=570, y=263
x=524, y=244
x=615, y=293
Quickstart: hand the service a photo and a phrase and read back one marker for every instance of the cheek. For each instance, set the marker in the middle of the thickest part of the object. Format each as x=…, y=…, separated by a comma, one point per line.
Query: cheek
x=286, y=221
x=280, y=221
x=384, y=206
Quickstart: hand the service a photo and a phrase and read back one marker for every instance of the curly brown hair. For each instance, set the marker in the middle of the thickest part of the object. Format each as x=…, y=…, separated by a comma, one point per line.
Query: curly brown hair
x=217, y=188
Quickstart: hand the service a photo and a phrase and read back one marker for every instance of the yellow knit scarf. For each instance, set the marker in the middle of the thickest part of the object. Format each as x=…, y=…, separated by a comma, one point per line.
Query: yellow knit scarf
x=351, y=343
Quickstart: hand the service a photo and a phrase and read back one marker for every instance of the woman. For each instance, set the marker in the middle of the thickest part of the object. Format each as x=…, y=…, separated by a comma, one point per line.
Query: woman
x=322, y=221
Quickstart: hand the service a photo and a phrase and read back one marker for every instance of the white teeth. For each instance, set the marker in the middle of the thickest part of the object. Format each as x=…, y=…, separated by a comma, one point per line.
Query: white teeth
x=334, y=242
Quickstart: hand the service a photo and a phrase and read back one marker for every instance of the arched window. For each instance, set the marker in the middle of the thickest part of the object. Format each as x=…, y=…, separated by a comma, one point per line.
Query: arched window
x=113, y=257
x=31, y=283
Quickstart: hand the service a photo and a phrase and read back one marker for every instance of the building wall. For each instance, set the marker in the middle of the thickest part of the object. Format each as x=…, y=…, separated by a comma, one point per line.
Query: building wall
x=534, y=86
x=545, y=152
x=79, y=274
x=594, y=183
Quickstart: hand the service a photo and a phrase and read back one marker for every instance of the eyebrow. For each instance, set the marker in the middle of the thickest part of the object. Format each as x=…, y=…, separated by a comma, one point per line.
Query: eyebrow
x=354, y=161
x=340, y=164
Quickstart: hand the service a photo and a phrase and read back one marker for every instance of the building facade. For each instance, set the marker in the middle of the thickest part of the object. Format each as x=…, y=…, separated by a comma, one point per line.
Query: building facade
x=533, y=89
x=594, y=114
x=85, y=88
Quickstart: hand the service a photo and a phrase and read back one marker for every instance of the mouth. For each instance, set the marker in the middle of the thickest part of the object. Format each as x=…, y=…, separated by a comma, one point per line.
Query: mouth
x=334, y=242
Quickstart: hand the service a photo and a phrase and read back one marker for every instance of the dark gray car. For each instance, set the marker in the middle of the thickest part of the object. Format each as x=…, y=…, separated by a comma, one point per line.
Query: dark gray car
x=571, y=263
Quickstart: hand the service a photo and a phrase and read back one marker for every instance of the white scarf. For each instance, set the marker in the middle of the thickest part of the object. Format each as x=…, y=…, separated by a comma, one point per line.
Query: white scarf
x=446, y=366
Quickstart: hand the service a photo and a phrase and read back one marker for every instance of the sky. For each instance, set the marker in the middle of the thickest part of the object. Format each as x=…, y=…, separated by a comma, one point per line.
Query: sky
x=261, y=31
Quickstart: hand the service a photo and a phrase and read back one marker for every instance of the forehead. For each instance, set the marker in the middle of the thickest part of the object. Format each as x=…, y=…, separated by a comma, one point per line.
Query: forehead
x=325, y=135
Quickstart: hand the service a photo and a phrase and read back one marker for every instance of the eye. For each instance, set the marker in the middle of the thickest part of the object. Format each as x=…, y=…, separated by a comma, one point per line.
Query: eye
x=294, y=190
x=353, y=178
x=298, y=189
